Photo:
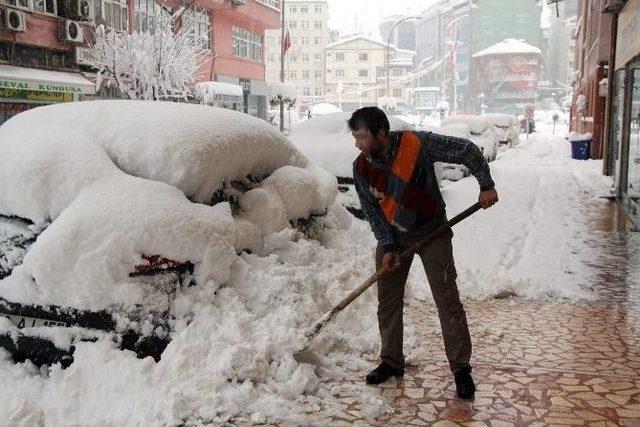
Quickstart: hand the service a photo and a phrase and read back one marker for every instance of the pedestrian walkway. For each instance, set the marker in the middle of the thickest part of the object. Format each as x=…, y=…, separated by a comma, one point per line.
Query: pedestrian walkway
x=536, y=362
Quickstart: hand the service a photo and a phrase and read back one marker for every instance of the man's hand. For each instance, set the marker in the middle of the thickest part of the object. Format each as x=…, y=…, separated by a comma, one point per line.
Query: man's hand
x=390, y=262
x=488, y=198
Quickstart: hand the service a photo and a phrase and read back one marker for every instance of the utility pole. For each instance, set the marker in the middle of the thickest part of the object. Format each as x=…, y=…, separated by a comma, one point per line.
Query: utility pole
x=282, y=53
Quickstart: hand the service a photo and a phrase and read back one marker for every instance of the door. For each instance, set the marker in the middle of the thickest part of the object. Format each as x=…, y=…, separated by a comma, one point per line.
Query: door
x=633, y=160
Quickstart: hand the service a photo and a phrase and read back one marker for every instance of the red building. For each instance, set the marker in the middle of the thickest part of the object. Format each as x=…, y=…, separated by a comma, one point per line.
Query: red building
x=593, y=55
x=41, y=46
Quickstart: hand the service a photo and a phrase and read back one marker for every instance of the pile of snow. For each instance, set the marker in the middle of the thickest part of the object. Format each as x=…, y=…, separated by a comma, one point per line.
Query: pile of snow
x=324, y=108
x=120, y=179
x=482, y=133
x=576, y=136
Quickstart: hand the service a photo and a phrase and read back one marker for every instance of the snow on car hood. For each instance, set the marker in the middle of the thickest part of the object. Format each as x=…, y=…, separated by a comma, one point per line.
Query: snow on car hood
x=119, y=179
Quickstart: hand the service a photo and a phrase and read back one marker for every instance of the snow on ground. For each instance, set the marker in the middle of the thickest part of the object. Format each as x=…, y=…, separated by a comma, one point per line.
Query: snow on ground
x=527, y=242
x=233, y=361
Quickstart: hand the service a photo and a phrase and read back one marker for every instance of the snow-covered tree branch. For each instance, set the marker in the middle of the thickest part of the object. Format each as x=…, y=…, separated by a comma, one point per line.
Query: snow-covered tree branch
x=157, y=63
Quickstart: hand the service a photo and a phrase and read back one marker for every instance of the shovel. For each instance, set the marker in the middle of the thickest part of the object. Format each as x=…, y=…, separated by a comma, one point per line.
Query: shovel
x=304, y=355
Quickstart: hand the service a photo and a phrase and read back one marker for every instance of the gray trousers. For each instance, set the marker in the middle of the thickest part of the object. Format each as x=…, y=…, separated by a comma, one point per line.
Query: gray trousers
x=437, y=259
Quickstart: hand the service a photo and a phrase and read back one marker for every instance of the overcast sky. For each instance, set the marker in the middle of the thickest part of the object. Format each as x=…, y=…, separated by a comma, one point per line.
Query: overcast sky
x=349, y=16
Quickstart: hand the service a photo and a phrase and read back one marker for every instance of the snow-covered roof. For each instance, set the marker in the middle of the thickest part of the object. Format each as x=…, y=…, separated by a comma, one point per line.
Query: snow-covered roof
x=12, y=77
x=358, y=37
x=508, y=46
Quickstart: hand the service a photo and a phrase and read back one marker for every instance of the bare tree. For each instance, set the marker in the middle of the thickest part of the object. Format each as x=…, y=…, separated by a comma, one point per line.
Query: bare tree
x=154, y=63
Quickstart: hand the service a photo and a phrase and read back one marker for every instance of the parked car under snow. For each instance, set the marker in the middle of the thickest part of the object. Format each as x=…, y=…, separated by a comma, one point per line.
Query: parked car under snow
x=114, y=213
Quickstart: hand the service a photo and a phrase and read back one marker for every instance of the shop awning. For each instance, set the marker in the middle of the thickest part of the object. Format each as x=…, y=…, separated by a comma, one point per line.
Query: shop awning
x=23, y=78
x=212, y=92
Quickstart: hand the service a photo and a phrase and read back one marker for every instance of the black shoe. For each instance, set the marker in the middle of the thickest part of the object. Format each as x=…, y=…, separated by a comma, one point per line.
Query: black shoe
x=464, y=384
x=383, y=373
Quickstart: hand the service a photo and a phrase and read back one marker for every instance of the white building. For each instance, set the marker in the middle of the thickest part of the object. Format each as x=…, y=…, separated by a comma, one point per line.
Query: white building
x=307, y=22
x=356, y=72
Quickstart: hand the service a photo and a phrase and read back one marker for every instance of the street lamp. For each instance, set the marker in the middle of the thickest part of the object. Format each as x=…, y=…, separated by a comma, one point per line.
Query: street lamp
x=389, y=42
x=454, y=46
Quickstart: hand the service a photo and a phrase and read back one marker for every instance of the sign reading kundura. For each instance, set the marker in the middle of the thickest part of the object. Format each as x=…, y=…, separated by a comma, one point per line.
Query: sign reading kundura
x=44, y=87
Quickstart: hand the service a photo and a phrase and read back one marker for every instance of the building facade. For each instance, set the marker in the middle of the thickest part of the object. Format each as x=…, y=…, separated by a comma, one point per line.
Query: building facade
x=42, y=44
x=356, y=73
x=308, y=25
x=506, y=76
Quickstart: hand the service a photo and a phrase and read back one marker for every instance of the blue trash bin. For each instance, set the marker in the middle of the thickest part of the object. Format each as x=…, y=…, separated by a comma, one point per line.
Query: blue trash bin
x=580, y=149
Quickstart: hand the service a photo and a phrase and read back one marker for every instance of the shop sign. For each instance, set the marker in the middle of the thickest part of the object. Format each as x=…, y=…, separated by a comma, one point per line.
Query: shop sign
x=628, y=42
x=45, y=87
x=36, y=96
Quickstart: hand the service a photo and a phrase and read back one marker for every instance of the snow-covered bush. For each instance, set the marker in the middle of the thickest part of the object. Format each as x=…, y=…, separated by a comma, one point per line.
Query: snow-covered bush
x=148, y=65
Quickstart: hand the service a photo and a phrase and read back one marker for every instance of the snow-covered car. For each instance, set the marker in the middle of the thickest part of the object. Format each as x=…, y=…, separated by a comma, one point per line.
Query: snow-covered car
x=327, y=141
x=115, y=214
x=506, y=128
x=481, y=132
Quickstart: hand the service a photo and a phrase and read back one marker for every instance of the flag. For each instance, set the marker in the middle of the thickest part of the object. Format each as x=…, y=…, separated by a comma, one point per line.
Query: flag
x=286, y=44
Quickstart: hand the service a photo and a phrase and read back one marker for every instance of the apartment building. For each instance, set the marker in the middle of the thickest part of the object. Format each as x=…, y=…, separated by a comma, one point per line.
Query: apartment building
x=43, y=42
x=307, y=23
x=356, y=72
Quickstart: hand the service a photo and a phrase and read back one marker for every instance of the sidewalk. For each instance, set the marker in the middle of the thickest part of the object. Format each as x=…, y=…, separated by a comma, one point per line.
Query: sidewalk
x=536, y=362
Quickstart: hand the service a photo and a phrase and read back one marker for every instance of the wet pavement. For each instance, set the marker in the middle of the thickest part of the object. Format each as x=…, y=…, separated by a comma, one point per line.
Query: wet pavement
x=536, y=362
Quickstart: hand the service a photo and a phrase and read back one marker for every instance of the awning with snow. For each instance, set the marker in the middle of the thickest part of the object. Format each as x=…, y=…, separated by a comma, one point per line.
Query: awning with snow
x=212, y=92
x=23, y=78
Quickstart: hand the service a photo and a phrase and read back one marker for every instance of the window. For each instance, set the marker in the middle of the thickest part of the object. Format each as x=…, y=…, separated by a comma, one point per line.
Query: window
x=293, y=9
x=145, y=13
x=317, y=41
x=247, y=44
x=305, y=74
x=304, y=24
x=317, y=92
x=397, y=72
x=304, y=9
x=115, y=14
x=363, y=73
x=202, y=27
x=317, y=24
x=293, y=74
x=397, y=93
x=293, y=24
x=293, y=57
x=19, y=3
x=317, y=57
x=271, y=57
x=363, y=56
x=339, y=73
x=305, y=57
x=294, y=41
x=317, y=74
x=45, y=6
x=317, y=8
x=306, y=41
x=382, y=72
x=306, y=91
x=340, y=57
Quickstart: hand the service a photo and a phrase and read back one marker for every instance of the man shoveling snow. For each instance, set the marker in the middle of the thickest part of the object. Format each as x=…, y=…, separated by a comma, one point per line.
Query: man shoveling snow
x=400, y=197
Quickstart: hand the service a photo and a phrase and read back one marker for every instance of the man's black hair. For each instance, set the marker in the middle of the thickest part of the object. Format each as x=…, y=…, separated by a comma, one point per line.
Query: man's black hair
x=372, y=119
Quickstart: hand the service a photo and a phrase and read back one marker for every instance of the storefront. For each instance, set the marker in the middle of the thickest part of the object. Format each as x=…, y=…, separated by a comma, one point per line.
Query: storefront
x=254, y=95
x=24, y=88
x=625, y=117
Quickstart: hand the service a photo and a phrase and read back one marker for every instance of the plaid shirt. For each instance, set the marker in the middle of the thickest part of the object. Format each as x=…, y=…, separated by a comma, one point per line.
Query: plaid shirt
x=434, y=148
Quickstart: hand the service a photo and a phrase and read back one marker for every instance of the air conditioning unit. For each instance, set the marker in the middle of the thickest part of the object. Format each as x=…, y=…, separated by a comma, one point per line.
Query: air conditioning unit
x=14, y=20
x=237, y=2
x=71, y=31
x=82, y=9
